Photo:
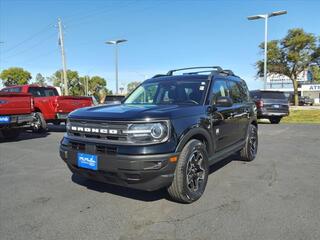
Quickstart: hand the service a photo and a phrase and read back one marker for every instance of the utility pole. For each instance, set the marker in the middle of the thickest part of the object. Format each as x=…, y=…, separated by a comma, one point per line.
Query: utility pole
x=87, y=85
x=63, y=56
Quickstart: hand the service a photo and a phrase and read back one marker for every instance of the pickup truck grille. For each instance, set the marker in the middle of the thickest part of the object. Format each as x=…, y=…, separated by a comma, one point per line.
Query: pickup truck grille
x=112, y=131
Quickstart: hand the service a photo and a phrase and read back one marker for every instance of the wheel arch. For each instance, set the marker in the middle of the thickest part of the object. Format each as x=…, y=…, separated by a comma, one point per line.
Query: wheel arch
x=199, y=134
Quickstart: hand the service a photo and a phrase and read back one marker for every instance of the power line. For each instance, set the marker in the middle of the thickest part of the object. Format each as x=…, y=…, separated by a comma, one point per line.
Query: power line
x=34, y=35
x=31, y=47
x=87, y=18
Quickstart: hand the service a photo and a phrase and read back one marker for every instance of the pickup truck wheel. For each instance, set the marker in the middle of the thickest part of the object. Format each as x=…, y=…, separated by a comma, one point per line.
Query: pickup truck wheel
x=191, y=174
x=275, y=120
x=249, y=151
x=39, y=124
x=11, y=133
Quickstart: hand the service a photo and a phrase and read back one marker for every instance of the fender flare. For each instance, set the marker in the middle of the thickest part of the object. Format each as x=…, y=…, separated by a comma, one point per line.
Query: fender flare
x=196, y=133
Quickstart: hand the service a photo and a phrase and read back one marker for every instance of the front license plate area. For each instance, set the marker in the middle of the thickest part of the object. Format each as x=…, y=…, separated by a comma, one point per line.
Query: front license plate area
x=87, y=161
x=5, y=119
x=276, y=106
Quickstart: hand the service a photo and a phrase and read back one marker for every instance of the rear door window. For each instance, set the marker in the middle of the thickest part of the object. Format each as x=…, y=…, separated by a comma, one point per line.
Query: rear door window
x=43, y=92
x=235, y=92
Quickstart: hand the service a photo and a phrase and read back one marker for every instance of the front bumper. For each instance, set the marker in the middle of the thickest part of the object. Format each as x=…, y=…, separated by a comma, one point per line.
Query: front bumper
x=143, y=172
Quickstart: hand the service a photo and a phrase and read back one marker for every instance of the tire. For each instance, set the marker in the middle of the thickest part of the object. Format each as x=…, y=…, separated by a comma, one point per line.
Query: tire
x=193, y=158
x=39, y=124
x=249, y=151
x=275, y=120
x=11, y=134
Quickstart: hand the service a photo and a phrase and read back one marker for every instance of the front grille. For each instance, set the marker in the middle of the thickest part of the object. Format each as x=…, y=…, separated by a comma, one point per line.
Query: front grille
x=102, y=130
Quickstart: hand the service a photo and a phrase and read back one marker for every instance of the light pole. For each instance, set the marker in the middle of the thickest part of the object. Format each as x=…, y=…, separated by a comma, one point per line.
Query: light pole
x=266, y=17
x=115, y=43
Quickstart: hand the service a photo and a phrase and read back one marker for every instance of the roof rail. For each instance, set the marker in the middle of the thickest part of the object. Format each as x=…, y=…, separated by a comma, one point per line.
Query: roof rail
x=216, y=68
x=159, y=75
x=212, y=70
x=228, y=72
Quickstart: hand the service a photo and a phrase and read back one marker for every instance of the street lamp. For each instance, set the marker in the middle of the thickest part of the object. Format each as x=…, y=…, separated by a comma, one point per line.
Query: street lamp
x=115, y=43
x=266, y=17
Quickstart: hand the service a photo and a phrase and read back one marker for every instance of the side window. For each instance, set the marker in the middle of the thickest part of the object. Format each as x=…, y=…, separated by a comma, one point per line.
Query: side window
x=219, y=89
x=35, y=91
x=235, y=92
x=244, y=91
x=12, y=90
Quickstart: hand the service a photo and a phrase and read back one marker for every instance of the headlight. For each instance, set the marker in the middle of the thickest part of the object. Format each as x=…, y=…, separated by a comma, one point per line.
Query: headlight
x=155, y=132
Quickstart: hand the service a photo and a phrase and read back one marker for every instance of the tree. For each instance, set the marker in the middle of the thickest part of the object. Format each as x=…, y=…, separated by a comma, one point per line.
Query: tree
x=131, y=86
x=290, y=56
x=15, y=76
x=315, y=72
x=74, y=85
x=40, y=79
x=96, y=84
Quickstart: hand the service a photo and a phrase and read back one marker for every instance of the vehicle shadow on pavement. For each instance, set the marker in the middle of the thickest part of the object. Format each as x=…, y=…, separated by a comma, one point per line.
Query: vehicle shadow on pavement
x=119, y=190
x=138, y=194
x=27, y=135
x=56, y=128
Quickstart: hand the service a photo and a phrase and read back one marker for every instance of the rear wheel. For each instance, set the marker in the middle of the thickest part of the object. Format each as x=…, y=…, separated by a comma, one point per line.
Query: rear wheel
x=275, y=120
x=11, y=133
x=191, y=174
x=249, y=151
x=39, y=124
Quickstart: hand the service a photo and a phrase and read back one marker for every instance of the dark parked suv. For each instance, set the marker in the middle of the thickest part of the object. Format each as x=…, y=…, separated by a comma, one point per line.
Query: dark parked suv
x=272, y=105
x=165, y=134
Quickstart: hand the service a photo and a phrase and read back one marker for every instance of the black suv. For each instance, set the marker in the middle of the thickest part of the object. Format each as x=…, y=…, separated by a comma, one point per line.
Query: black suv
x=273, y=105
x=165, y=134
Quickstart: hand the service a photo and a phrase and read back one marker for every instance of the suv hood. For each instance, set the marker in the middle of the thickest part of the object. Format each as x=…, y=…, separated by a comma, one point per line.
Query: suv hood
x=124, y=112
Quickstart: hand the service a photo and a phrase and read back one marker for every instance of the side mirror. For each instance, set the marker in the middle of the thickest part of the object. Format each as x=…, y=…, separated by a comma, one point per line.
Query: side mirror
x=224, y=102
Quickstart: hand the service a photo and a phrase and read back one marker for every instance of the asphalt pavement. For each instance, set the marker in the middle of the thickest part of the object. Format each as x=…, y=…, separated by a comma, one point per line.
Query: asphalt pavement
x=277, y=196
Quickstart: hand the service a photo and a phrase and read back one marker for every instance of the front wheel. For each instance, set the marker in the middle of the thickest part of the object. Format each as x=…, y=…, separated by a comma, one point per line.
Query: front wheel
x=10, y=134
x=191, y=174
x=249, y=151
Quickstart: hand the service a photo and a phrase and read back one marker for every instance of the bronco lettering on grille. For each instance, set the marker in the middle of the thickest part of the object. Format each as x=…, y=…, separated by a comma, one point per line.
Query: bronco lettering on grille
x=93, y=130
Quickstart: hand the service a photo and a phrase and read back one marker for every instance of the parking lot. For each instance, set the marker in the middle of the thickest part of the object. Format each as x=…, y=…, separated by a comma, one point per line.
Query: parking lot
x=274, y=197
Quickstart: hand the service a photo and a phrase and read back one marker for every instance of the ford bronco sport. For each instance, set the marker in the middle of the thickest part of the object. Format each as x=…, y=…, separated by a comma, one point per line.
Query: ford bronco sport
x=165, y=134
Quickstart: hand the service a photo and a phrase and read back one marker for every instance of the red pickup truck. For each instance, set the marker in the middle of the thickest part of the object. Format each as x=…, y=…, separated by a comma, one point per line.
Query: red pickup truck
x=48, y=105
x=15, y=113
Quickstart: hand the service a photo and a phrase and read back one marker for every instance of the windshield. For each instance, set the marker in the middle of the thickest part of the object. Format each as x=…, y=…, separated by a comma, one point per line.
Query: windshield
x=169, y=92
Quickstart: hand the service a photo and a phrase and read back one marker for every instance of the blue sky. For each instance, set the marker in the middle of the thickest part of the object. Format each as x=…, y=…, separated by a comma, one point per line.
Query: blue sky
x=161, y=34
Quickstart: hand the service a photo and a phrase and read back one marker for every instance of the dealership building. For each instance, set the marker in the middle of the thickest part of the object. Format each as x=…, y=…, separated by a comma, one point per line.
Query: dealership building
x=306, y=87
